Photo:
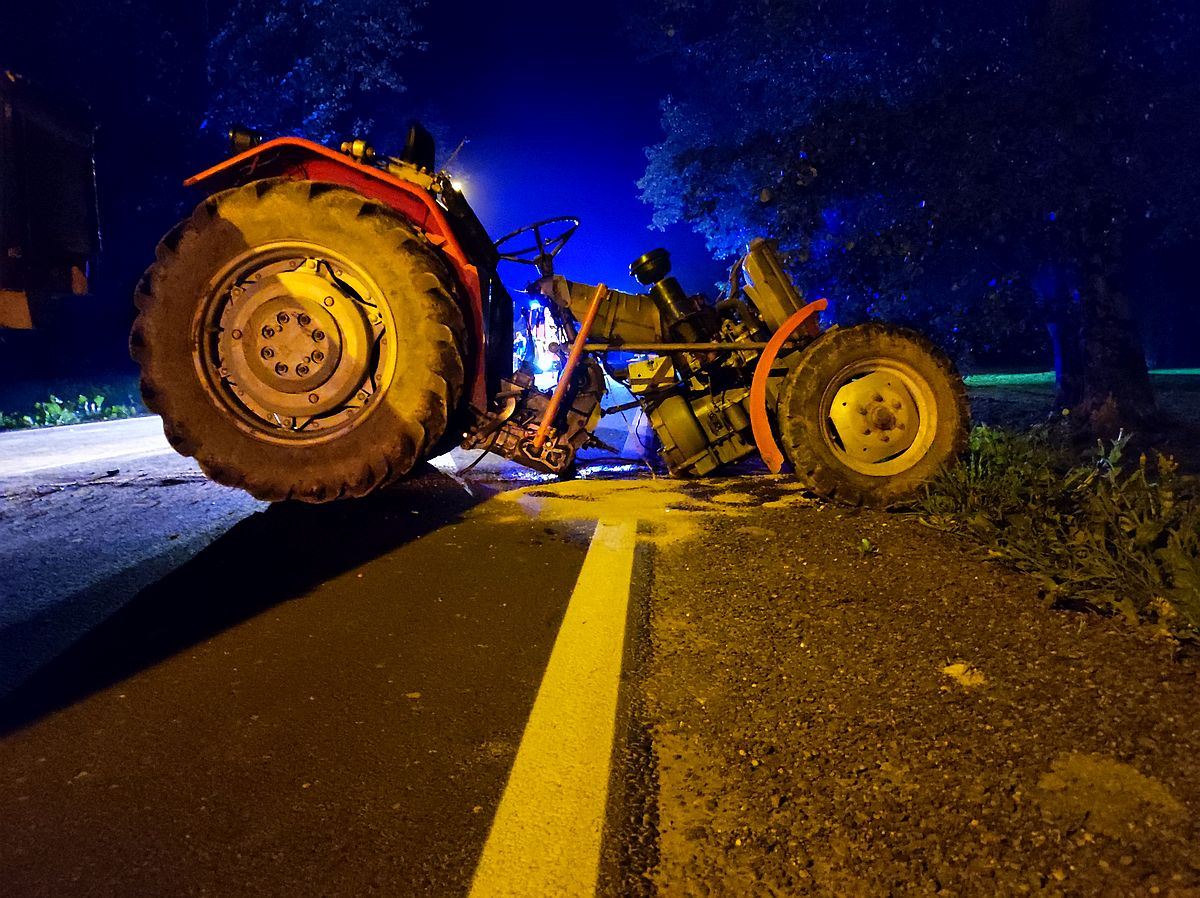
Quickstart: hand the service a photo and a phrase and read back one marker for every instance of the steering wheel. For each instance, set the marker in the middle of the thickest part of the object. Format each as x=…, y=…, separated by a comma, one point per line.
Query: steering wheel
x=549, y=237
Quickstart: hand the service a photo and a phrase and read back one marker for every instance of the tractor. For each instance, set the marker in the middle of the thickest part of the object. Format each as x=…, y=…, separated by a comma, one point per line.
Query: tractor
x=327, y=318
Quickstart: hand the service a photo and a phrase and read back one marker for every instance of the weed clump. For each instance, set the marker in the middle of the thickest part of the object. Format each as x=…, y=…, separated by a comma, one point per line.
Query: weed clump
x=1118, y=537
x=55, y=411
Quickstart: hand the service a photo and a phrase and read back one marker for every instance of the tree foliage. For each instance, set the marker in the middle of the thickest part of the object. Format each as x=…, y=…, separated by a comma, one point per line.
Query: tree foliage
x=299, y=66
x=978, y=171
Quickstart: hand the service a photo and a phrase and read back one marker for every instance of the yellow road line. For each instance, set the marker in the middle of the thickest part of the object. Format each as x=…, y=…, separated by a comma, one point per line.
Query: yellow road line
x=545, y=840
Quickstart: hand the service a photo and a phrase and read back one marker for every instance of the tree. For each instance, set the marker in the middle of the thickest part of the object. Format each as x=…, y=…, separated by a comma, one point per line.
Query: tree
x=301, y=66
x=979, y=173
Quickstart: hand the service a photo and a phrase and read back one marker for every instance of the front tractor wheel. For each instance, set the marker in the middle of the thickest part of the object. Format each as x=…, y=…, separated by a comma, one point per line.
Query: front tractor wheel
x=868, y=414
x=301, y=341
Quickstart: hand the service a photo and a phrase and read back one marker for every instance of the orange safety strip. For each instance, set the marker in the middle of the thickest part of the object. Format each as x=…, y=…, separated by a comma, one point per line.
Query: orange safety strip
x=250, y=154
x=352, y=169
x=760, y=423
x=564, y=380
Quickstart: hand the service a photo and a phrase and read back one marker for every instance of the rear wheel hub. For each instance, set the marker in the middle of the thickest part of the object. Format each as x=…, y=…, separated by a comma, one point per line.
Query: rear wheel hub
x=298, y=344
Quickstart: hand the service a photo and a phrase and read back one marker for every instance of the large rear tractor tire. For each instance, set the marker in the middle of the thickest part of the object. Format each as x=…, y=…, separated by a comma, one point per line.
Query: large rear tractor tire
x=870, y=413
x=300, y=340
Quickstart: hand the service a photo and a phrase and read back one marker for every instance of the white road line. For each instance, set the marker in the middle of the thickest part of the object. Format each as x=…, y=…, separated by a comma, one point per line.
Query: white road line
x=43, y=449
x=545, y=839
x=131, y=451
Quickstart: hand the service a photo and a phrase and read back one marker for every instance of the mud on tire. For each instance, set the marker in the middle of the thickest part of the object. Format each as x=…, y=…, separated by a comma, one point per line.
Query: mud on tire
x=868, y=414
x=301, y=341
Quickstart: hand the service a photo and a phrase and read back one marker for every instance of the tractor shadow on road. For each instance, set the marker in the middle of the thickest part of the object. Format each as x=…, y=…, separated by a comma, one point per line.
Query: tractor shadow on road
x=265, y=560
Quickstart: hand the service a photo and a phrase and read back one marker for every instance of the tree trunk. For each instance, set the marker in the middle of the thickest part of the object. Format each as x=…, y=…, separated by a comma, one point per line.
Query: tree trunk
x=1099, y=365
x=1116, y=384
x=1104, y=381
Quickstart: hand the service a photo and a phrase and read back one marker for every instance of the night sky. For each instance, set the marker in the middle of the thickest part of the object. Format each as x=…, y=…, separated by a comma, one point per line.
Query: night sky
x=555, y=105
x=558, y=111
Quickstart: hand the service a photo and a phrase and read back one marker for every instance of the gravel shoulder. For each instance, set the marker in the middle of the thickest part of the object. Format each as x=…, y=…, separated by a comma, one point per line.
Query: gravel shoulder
x=909, y=721
x=910, y=718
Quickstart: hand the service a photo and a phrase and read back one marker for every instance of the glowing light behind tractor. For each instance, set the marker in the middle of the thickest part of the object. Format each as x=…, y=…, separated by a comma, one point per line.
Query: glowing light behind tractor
x=548, y=136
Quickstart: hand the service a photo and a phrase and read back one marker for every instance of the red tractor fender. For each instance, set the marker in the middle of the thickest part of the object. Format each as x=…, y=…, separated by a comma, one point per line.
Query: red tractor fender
x=294, y=157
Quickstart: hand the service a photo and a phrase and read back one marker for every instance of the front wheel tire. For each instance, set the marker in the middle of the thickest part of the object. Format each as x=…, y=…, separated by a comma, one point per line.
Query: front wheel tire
x=869, y=414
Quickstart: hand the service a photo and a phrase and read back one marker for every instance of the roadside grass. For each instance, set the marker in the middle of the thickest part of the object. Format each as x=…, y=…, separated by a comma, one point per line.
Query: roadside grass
x=1117, y=535
x=92, y=402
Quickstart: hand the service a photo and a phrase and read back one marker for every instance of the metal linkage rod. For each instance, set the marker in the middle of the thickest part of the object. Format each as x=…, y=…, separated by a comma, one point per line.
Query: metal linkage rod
x=673, y=347
x=564, y=379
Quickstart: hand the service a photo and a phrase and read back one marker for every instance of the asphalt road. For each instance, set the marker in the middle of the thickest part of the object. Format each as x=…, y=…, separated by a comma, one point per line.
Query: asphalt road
x=491, y=683
x=207, y=695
